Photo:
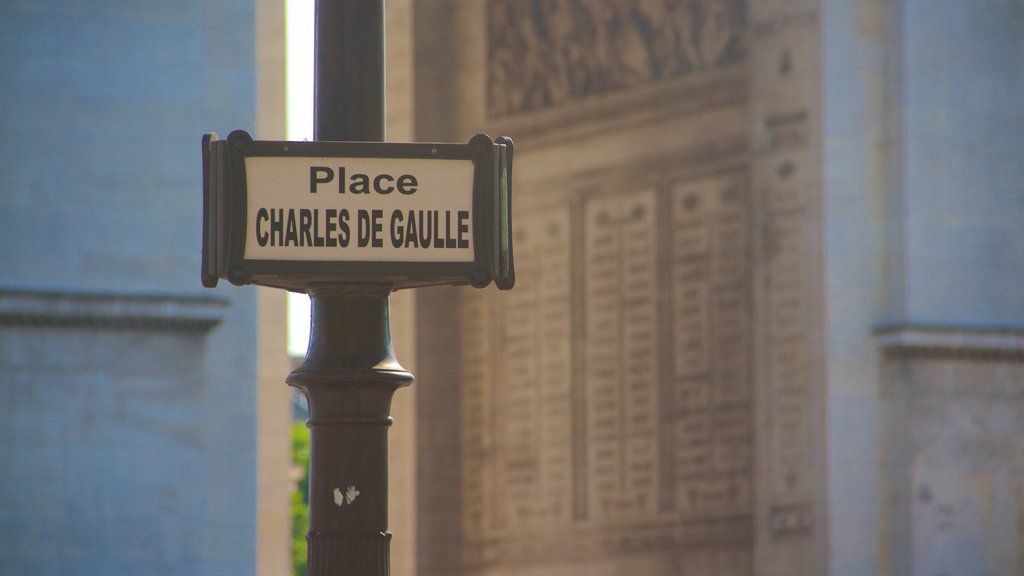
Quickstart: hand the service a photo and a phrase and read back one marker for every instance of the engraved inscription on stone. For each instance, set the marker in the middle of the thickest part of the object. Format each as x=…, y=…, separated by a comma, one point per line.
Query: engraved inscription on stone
x=620, y=361
x=787, y=332
x=713, y=414
x=543, y=52
x=786, y=129
x=791, y=520
x=477, y=329
x=534, y=386
x=597, y=423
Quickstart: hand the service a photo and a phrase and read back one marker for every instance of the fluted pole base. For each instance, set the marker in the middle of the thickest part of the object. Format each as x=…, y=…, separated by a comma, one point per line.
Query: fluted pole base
x=349, y=377
x=349, y=553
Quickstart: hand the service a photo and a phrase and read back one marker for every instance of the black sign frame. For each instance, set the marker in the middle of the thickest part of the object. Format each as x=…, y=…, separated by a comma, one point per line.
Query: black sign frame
x=225, y=222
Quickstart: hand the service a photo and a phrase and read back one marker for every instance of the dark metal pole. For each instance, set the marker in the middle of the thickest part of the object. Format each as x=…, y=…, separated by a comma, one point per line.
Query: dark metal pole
x=350, y=372
x=349, y=99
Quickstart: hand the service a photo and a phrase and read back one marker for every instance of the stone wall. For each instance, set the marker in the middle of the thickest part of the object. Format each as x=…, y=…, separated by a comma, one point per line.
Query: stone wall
x=128, y=393
x=608, y=403
x=951, y=451
x=720, y=209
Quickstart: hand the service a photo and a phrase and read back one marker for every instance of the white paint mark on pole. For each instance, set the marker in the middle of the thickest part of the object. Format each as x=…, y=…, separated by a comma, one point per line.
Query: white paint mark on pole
x=346, y=498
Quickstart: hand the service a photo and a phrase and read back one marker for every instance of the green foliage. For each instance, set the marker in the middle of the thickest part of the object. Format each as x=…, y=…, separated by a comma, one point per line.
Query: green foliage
x=300, y=456
x=300, y=498
x=300, y=519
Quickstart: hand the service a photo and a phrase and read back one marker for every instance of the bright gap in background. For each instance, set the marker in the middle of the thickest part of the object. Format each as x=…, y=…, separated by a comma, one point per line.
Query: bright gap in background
x=299, y=97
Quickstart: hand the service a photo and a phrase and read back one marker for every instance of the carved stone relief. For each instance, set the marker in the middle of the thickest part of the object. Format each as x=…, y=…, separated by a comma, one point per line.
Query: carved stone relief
x=545, y=52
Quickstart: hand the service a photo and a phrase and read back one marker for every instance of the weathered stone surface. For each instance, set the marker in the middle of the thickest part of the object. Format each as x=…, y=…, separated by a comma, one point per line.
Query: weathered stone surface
x=606, y=403
x=545, y=52
x=717, y=203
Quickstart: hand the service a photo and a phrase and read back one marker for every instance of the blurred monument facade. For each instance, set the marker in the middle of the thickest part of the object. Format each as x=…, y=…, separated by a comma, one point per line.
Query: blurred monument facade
x=143, y=418
x=769, y=316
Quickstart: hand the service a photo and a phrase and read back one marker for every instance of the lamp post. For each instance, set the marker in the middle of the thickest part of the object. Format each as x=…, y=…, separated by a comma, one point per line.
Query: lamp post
x=350, y=372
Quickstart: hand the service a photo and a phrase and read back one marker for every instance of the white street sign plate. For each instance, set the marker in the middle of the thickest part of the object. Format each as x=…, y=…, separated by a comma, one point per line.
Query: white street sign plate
x=359, y=209
x=290, y=214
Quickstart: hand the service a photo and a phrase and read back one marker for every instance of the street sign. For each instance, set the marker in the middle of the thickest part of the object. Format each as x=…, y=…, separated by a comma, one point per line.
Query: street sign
x=290, y=214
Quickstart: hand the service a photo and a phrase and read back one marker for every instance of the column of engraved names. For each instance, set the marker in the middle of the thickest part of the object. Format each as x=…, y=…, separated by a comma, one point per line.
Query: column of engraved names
x=535, y=384
x=786, y=342
x=712, y=439
x=620, y=379
x=732, y=453
x=786, y=171
x=477, y=378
